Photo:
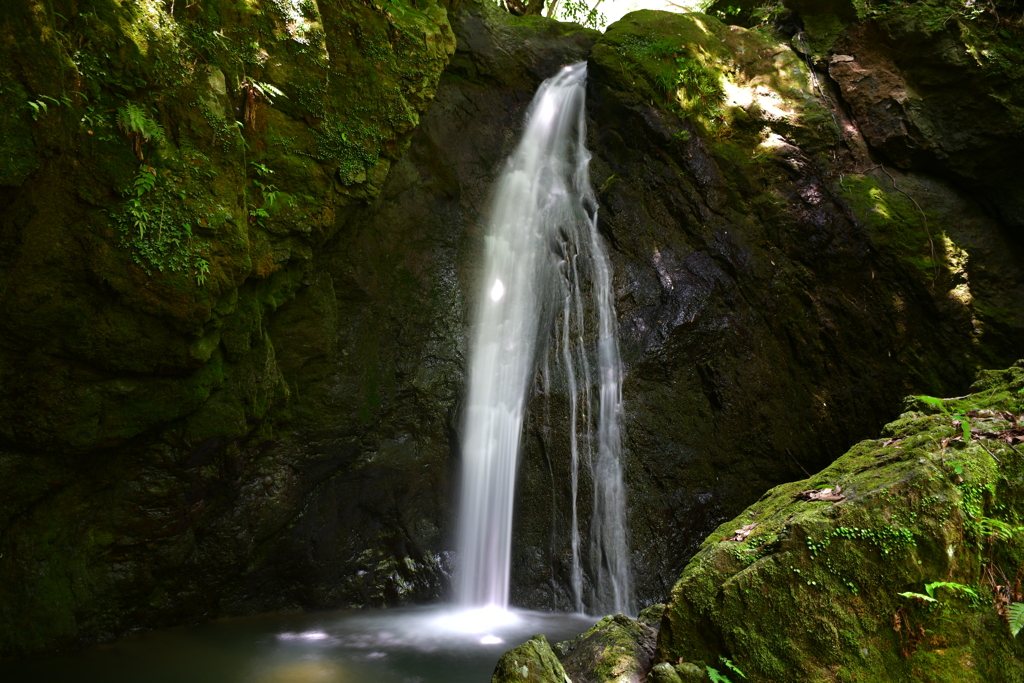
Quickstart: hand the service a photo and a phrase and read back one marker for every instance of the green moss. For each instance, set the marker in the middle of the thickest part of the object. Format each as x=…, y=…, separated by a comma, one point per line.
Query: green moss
x=898, y=225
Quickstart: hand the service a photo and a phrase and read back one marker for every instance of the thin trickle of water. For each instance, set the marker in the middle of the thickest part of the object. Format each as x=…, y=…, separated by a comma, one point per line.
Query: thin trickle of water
x=547, y=276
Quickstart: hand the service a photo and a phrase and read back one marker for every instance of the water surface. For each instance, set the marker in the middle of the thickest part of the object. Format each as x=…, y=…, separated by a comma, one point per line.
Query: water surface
x=409, y=645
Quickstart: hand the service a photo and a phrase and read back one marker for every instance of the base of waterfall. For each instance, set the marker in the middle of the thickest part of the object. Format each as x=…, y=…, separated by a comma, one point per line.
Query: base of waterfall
x=437, y=644
x=478, y=620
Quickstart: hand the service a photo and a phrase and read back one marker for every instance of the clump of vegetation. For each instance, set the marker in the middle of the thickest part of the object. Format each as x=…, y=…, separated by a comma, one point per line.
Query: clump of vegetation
x=42, y=105
x=717, y=676
x=270, y=198
x=157, y=232
x=699, y=91
x=691, y=88
x=137, y=124
x=354, y=148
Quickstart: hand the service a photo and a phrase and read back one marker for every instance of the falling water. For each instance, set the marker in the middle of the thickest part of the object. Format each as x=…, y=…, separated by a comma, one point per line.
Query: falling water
x=547, y=278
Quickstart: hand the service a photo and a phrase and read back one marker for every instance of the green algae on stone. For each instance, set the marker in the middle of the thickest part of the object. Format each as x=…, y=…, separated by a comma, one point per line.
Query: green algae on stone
x=813, y=592
x=531, y=662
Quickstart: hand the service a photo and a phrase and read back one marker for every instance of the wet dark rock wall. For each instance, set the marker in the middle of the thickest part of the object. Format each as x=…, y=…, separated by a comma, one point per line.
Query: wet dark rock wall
x=296, y=444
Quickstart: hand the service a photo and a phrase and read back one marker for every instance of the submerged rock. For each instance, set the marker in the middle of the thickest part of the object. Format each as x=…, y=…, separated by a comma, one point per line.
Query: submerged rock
x=909, y=577
x=531, y=662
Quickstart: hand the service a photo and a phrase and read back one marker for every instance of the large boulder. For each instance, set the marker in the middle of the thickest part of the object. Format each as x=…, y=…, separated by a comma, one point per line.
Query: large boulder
x=898, y=562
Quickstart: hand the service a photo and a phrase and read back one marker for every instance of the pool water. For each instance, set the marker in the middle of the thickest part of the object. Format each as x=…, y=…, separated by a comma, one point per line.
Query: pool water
x=408, y=645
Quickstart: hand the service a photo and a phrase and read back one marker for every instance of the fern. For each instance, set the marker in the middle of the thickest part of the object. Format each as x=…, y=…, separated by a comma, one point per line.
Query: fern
x=930, y=588
x=732, y=667
x=716, y=676
x=999, y=529
x=917, y=596
x=139, y=126
x=1015, y=613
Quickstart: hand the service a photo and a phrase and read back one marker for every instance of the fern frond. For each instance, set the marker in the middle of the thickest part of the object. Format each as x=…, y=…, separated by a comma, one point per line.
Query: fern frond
x=133, y=119
x=716, y=676
x=1015, y=613
x=729, y=663
x=959, y=587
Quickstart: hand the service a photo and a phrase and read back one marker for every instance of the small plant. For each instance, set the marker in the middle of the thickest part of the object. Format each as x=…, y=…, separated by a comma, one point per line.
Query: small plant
x=699, y=89
x=717, y=676
x=145, y=180
x=932, y=587
x=767, y=14
x=40, y=107
x=1015, y=615
x=136, y=123
x=965, y=421
x=732, y=667
x=272, y=197
x=255, y=91
x=999, y=529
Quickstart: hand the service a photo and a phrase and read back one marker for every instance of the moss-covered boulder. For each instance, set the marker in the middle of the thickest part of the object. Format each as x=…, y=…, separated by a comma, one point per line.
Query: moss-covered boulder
x=616, y=649
x=897, y=562
x=531, y=662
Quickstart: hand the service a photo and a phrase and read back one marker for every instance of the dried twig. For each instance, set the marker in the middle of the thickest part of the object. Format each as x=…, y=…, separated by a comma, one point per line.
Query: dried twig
x=798, y=463
x=990, y=452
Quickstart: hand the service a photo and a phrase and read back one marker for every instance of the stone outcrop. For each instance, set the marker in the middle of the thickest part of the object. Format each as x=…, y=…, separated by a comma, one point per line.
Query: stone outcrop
x=908, y=576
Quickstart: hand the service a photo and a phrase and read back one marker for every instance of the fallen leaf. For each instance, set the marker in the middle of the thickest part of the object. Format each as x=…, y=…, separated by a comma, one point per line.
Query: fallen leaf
x=826, y=495
x=741, y=534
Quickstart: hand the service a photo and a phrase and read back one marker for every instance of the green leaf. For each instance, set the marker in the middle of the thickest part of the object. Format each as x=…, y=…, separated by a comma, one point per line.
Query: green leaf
x=1016, y=614
x=917, y=596
x=965, y=424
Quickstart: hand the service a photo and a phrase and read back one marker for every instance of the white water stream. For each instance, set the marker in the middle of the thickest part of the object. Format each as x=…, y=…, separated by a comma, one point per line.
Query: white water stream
x=548, y=284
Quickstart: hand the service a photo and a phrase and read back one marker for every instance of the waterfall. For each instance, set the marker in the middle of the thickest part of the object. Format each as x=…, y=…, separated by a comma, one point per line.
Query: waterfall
x=547, y=282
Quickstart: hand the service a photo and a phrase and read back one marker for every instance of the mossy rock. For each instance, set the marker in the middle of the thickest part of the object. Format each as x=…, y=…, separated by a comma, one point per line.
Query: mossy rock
x=531, y=662
x=834, y=589
x=616, y=649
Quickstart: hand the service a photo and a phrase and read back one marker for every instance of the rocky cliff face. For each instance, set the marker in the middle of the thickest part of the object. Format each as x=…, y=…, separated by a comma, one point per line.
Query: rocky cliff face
x=778, y=291
x=169, y=171
x=240, y=248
